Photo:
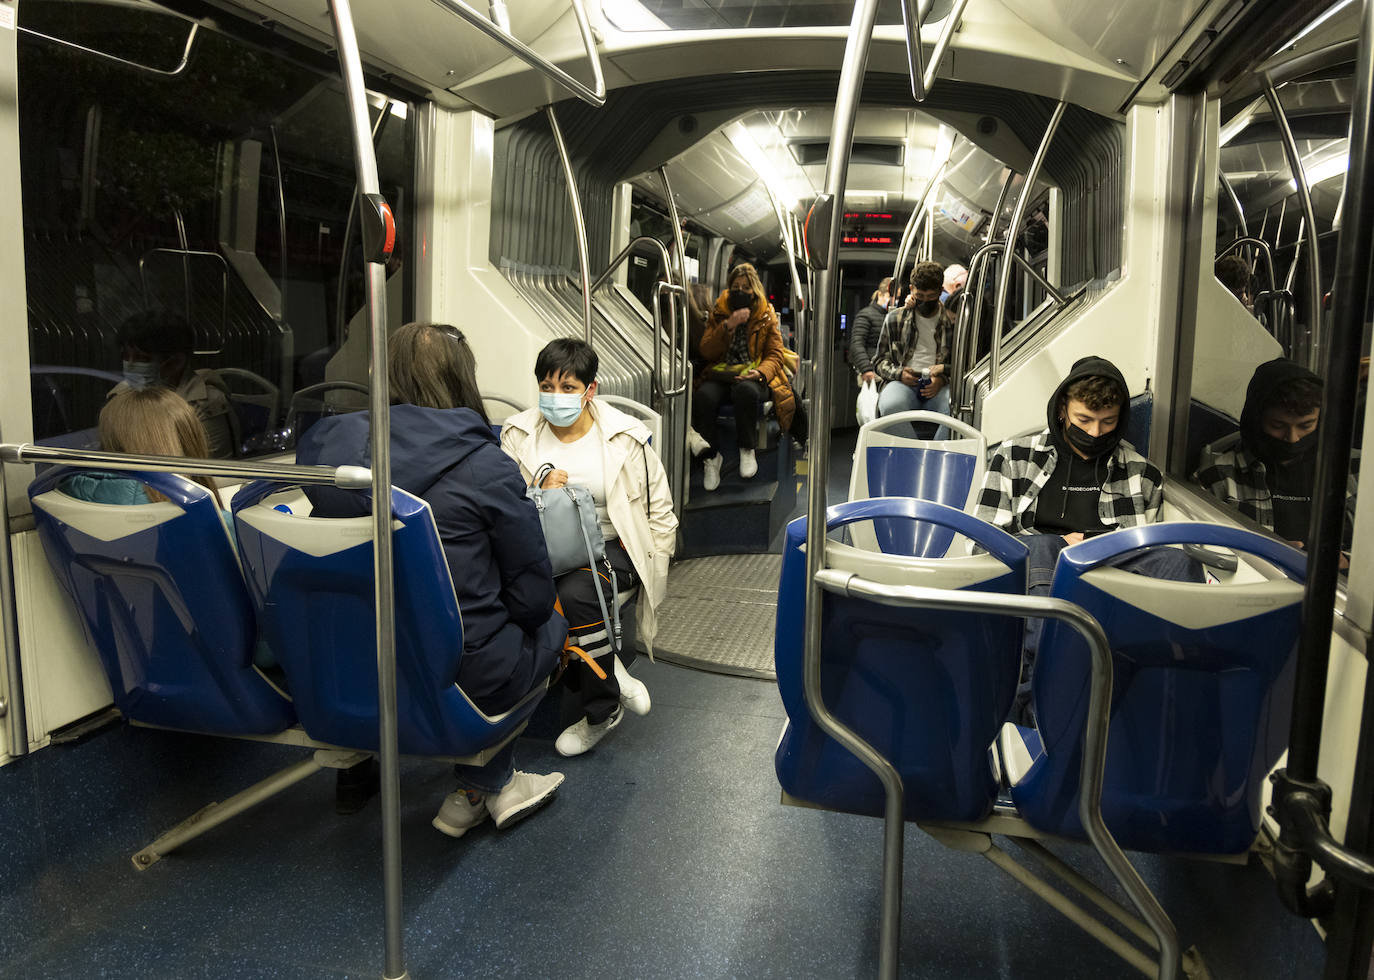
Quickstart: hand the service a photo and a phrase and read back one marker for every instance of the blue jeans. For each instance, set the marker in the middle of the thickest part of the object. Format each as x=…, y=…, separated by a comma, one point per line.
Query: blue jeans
x=897, y=397
x=1169, y=564
x=491, y=778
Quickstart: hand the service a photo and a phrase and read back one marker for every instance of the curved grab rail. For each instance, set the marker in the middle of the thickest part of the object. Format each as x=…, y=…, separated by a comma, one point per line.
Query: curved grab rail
x=592, y=96
x=1096, y=723
x=998, y=543
x=172, y=72
x=882, y=423
x=1089, y=554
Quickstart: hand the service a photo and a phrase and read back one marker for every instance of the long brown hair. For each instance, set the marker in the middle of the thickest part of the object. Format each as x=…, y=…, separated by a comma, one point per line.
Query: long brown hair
x=155, y=421
x=755, y=284
x=431, y=365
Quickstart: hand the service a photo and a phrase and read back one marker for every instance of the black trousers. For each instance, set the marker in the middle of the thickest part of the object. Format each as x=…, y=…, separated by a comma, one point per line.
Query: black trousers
x=586, y=629
x=746, y=396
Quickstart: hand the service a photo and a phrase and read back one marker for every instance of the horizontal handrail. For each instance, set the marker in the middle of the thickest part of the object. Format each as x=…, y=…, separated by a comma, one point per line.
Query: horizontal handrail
x=344, y=477
x=172, y=72
x=595, y=97
x=1091, y=773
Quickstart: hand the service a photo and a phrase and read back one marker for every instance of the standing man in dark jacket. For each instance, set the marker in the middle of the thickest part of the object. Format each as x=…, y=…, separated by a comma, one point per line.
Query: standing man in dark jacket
x=868, y=327
x=443, y=451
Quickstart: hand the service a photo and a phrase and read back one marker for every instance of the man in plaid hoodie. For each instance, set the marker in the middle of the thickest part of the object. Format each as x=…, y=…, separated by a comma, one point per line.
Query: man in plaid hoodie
x=1075, y=479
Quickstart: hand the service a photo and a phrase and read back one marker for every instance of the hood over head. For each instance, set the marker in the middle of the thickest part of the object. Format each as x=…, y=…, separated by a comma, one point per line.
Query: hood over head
x=1086, y=367
x=1262, y=392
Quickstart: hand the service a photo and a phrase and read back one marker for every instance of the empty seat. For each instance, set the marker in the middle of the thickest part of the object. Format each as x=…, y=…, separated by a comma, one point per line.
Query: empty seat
x=889, y=464
x=312, y=581
x=256, y=401
x=163, y=603
x=929, y=689
x=1201, y=696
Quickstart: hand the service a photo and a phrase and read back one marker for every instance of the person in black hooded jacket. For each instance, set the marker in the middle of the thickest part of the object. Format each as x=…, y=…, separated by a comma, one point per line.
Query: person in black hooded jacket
x=1269, y=475
x=443, y=451
x=1075, y=479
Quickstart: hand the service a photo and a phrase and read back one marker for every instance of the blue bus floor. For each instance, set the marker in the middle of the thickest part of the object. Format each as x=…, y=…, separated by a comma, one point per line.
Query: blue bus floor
x=665, y=854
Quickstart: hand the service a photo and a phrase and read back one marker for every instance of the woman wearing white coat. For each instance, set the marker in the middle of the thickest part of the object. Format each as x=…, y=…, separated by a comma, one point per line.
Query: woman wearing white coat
x=594, y=445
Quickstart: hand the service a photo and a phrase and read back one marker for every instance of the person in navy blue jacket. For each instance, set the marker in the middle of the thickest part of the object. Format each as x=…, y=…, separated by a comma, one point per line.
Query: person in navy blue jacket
x=443, y=451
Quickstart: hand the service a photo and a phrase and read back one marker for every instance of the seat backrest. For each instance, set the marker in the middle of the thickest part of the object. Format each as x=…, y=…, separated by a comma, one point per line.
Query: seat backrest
x=1201, y=696
x=163, y=603
x=651, y=419
x=312, y=581
x=927, y=688
x=322, y=400
x=256, y=400
x=890, y=463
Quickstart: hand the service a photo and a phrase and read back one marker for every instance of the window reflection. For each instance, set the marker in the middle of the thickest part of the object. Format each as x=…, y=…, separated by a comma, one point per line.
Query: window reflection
x=216, y=200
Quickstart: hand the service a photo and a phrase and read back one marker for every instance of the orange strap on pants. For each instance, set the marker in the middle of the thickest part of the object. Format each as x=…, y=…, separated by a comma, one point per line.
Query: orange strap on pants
x=569, y=647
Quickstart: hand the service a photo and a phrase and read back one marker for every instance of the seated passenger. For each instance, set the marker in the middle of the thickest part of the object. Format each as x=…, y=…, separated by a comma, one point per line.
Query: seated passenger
x=1232, y=272
x=146, y=422
x=443, y=451
x=156, y=348
x=914, y=351
x=743, y=351
x=156, y=421
x=591, y=444
x=1269, y=475
x=955, y=278
x=1076, y=479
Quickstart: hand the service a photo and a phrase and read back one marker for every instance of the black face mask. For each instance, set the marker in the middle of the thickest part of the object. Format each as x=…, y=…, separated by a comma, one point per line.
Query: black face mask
x=927, y=307
x=1091, y=446
x=1280, y=452
x=741, y=299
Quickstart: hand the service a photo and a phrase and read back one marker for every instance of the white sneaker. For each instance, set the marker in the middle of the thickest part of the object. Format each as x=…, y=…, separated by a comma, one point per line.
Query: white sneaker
x=582, y=735
x=525, y=793
x=459, y=814
x=748, y=464
x=633, y=694
x=712, y=478
x=696, y=445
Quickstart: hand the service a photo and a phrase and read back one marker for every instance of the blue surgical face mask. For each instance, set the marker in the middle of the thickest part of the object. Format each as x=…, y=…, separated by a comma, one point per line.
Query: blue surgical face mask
x=561, y=408
x=141, y=374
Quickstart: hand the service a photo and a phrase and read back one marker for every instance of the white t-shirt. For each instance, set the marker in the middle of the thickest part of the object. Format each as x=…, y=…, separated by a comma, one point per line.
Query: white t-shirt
x=585, y=466
x=923, y=354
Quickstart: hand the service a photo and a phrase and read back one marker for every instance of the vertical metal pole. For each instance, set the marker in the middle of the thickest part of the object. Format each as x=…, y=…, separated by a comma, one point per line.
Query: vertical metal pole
x=579, y=224
x=380, y=438
x=836, y=170
x=679, y=428
x=16, y=726
x=1018, y=215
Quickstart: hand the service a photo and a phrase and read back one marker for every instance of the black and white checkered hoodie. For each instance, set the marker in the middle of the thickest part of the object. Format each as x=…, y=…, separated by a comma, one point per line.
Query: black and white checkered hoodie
x=1132, y=486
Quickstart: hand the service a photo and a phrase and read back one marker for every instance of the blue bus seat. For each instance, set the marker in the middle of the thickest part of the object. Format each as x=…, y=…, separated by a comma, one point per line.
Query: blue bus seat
x=652, y=420
x=312, y=580
x=928, y=689
x=893, y=464
x=1202, y=692
x=163, y=603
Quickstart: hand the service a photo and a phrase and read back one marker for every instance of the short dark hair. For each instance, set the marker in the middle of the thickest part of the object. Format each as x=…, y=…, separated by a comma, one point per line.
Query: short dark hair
x=1232, y=272
x=157, y=332
x=1298, y=396
x=567, y=355
x=1097, y=392
x=928, y=275
x=431, y=365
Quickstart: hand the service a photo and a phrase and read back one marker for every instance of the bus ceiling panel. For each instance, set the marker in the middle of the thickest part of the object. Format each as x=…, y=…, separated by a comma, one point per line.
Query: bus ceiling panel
x=432, y=47
x=993, y=47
